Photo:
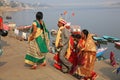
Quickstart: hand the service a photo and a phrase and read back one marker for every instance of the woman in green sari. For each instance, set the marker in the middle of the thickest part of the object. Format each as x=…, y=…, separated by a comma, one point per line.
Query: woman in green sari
x=38, y=43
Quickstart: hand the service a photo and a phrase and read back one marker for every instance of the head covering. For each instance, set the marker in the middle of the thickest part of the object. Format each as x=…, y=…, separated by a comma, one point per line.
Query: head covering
x=75, y=29
x=61, y=20
x=67, y=25
x=53, y=33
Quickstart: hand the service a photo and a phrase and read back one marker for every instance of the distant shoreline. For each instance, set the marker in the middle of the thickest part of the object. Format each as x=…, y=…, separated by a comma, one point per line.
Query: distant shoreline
x=9, y=9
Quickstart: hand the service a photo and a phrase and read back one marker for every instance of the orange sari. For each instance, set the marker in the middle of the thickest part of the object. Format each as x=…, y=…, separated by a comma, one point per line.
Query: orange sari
x=89, y=53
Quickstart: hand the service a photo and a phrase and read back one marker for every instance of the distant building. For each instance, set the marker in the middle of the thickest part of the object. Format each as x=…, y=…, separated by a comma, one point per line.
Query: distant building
x=4, y=2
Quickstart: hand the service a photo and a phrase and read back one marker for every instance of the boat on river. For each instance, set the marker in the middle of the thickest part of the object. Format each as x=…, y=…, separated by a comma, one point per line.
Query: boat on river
x=99, y=39
x=111, y=38
x=117, y=44
x=101, y=51
x=8, y=17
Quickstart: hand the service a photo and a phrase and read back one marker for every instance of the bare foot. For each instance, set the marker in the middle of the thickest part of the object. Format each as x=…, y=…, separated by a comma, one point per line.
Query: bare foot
x=34, y=67
x=43, y=64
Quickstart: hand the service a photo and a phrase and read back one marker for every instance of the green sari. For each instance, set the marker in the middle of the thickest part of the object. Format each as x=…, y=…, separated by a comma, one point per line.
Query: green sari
x=38, y=48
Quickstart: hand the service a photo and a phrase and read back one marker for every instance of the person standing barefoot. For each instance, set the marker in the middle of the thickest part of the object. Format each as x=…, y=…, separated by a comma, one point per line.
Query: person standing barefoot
x=38, y=43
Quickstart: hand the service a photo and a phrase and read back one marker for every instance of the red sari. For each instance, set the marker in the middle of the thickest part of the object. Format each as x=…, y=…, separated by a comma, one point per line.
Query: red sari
x=112, y=59
x=1, y=22
x=72, y=55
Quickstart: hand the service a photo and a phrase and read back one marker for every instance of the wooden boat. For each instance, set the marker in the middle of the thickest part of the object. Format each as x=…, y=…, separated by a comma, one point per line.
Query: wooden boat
x=117, y=43
x=100, y=39
x=8, y=17
x=111, y=38
x=11, y=24
x=101, y=51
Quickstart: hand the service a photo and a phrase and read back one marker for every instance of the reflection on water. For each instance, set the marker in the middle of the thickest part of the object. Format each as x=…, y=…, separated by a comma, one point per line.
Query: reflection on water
x=99, y=21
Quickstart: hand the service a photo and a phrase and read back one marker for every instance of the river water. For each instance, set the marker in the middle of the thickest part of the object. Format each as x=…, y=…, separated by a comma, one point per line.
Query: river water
x=102, y=21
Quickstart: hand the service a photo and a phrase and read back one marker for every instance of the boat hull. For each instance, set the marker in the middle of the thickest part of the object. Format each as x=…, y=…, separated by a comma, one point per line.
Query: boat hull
x=111, y=39
x=101, y=51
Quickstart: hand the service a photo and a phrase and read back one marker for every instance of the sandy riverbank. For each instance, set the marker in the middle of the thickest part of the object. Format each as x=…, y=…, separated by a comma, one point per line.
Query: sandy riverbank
x=12, y=65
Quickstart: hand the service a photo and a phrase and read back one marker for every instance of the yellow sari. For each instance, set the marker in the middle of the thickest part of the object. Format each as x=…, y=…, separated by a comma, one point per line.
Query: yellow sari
x=89, y=52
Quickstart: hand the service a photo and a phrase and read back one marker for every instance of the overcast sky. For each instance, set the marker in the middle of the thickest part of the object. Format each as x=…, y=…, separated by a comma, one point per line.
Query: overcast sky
x=70, y=2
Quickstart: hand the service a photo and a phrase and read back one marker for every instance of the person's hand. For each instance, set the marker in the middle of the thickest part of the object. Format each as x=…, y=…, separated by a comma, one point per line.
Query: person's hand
x=31, y=38
x=60, y=45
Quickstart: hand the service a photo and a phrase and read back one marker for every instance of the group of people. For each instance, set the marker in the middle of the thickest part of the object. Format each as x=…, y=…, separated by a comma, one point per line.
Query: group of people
x=76, y=50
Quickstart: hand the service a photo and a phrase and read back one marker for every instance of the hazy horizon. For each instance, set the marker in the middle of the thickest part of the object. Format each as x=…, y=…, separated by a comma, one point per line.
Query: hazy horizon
x=75, y=2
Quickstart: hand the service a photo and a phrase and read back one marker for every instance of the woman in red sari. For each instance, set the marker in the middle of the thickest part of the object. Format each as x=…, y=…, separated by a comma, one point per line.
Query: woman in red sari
x=112, y=59
x=74, y=50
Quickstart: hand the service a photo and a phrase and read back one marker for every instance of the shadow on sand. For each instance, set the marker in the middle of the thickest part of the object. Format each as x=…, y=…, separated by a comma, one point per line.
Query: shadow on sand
x=4, y=43
x=2, y=63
